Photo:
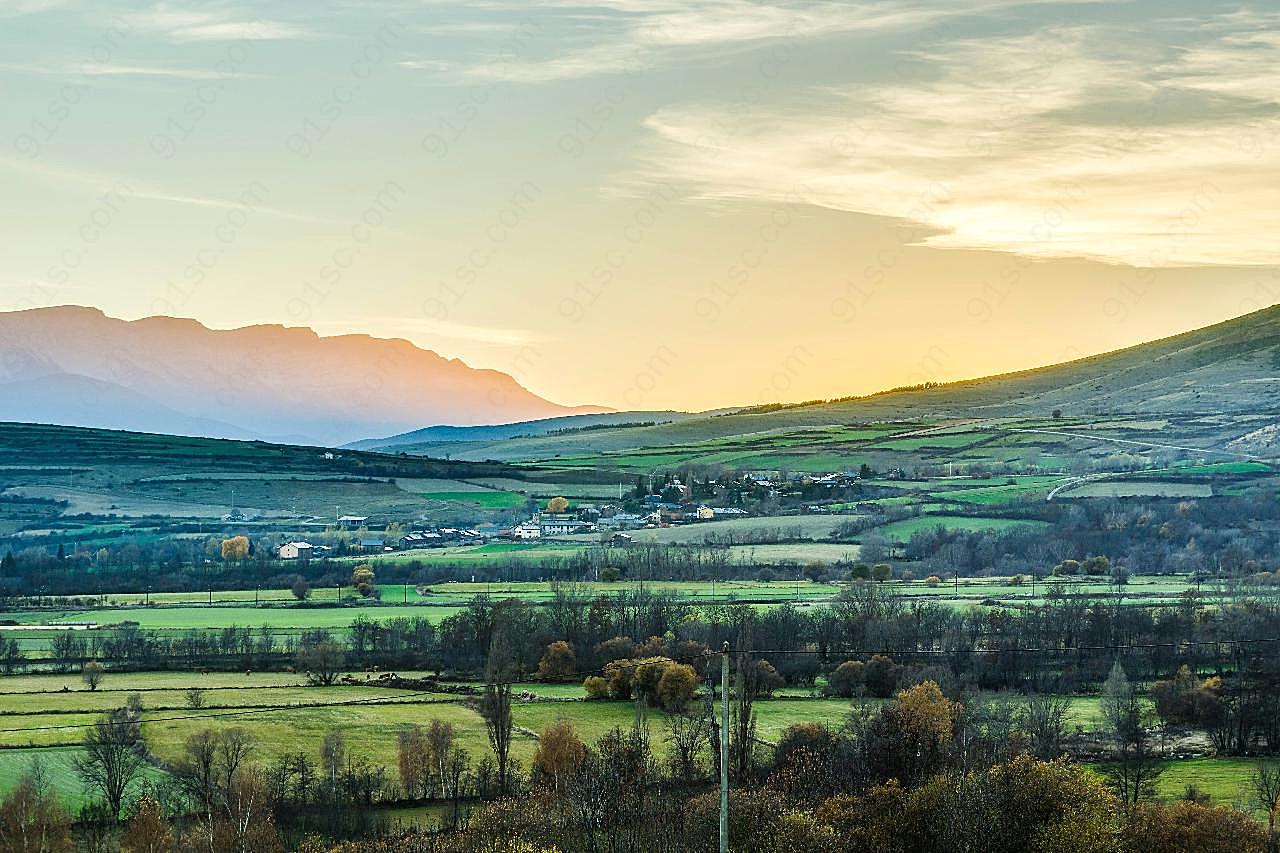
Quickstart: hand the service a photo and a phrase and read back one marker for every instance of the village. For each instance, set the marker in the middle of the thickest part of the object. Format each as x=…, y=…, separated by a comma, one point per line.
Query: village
x=667, y=503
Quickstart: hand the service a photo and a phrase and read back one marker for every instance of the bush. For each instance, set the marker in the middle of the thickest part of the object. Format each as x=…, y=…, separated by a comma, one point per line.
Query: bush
x=767, y=678
x=932, y=580
x=596, y=687
x=847, y=680
x=882, y=676
x=559, y=664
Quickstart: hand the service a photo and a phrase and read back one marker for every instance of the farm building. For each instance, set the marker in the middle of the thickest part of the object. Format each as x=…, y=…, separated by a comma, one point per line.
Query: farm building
x=296, y=550
x=528, y=530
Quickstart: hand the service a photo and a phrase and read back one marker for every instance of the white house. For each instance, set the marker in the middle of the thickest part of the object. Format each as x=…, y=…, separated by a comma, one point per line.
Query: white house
x=295, y=550
x=528, y=530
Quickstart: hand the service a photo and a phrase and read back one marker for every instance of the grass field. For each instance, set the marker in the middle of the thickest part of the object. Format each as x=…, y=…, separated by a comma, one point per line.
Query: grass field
x=901, y=531
x=479, y=497
x=39, y=720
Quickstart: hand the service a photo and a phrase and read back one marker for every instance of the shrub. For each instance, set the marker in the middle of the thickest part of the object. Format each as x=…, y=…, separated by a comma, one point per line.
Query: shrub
x=848, y=679
x=596, y=687
x=559, y=664
x=882, y=676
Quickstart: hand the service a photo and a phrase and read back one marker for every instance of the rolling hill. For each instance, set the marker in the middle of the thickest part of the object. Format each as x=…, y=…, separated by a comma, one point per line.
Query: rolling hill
x=76, y=366
x=1231, y=369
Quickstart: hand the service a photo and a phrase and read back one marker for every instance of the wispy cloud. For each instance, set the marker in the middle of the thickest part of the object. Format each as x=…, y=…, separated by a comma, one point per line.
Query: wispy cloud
x=1044, y=144
x=120, y=69
x=205, y=24
x=635, y=34
x=129, y=187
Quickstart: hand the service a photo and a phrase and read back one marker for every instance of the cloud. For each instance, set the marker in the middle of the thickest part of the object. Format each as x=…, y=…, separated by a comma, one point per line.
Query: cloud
x=1046, y=144
x=635, y=34
x=120, y=69
x=128, y=187
x=188, y=25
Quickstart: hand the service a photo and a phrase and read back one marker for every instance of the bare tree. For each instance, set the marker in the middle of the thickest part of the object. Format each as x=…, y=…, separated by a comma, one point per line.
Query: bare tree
x=113, y=758
x=1046, y=720
x=495, y=705
x=1266, y=791
x=321, y=661
x=687, y=734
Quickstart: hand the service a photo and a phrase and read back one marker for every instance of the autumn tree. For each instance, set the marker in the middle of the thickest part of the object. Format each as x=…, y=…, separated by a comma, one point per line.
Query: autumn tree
x=559, y=754
x=362, y=579
x=1187, y=827
x=558, y=505
x=412, y=761
x=559, y=664
x=235, y=549
x=148, y=831
x=92, y=674
x=849, y=679
x=31, y=819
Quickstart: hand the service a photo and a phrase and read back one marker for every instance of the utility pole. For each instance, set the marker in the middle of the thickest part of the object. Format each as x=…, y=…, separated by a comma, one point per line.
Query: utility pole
x=724, y=750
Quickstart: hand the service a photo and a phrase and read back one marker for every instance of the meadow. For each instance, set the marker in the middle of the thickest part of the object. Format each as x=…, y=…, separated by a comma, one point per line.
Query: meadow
x=43, y=717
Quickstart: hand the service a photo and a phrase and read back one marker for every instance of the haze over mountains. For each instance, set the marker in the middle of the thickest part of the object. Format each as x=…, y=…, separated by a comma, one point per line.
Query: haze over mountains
x=76, y=366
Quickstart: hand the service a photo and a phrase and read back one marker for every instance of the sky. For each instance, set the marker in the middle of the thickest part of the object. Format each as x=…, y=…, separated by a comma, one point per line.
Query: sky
x=649, y=204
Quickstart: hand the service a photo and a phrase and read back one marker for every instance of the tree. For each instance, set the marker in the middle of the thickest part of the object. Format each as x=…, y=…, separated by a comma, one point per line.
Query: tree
x=113, y=758
x=881, y=572
x=301, y=589
x=495, y=704
x=235, y=549
x=558, y=505
x=1265, y=782
x=92, y=674
x=559, y=664
x=194, y=697
x=559, y=755
x=849, y=679
x=362, y=579
x=676, y=686
x=687, y=734
x=1046, y=723
x=1187, y=827
x=320, y=660
x=148, y=831
x=31, y=819
x=1136, y=764
x=412, y=762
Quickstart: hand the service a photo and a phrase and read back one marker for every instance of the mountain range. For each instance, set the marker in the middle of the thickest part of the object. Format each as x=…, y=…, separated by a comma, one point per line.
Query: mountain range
x=76, y=366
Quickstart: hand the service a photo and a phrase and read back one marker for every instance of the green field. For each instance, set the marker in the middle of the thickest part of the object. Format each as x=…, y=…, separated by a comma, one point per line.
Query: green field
x=901, y=531
x=479, y=497
x=369, y=717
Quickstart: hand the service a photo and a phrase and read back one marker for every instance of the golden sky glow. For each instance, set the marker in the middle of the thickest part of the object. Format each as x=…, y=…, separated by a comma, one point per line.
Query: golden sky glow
x=652, y=204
